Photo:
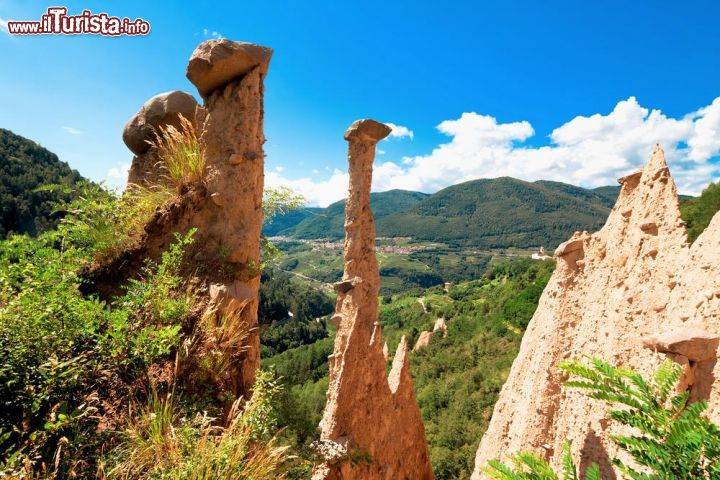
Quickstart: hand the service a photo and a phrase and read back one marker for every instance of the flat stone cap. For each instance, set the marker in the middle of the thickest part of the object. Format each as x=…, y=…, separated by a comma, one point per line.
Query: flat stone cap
x=215, y=63
x=367, y=130
x=692, y=342
x=160, y=111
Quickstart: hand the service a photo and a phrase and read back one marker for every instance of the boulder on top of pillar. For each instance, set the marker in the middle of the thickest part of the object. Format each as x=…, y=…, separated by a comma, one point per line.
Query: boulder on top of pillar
x=367, y=130
x=216, y=63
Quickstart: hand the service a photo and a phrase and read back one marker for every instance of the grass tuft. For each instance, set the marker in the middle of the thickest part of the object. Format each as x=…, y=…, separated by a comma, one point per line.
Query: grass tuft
x=181, y=154
x=161, y=444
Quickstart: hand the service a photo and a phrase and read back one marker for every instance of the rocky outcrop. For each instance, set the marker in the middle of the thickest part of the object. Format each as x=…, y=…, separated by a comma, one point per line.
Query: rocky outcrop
x=440, y=325
x=371, y=427
x=160, y=111
x=633, y=293
x=216, y=63
x=426, y=336
x=423, y=340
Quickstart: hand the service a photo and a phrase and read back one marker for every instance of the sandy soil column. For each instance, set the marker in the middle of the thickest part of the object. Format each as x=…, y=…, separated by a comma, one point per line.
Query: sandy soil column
x=371, y=427
x=229, y=76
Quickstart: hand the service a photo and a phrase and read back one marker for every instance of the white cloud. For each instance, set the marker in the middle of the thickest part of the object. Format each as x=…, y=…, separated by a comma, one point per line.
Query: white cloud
x=212, y=34
x=119, y=172
x=398, y=131
x=279, y=168
x=320, y=193
x=3, y=25
x=72, y=130
x=705, y=140
x=588, y=151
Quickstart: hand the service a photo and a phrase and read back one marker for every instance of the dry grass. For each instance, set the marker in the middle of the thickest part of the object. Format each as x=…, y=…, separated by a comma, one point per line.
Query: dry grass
x=232, y=452
x=181, y=154
x=150, y=441
x=159, y=444
x=214, y=352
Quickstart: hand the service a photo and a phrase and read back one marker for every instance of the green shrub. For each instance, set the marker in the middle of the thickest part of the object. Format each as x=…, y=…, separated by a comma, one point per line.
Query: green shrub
x=60, y=349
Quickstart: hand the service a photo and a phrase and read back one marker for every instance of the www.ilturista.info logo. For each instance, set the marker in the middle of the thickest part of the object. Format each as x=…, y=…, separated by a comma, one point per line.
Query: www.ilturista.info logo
x=57, y=22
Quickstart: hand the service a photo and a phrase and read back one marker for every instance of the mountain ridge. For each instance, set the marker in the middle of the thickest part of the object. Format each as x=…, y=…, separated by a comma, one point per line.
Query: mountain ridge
x=488, y=213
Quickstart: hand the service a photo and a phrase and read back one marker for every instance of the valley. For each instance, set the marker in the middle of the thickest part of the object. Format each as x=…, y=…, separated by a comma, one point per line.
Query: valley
x=485, y=294
x=457, y=378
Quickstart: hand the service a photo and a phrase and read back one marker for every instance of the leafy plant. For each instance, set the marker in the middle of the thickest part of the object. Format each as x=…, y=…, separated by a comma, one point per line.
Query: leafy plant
x=147, y=322
x=673, y=440
x=276, y=201
x=279, y=201
x=107, y=225
x=530, y=466
x=60, y=348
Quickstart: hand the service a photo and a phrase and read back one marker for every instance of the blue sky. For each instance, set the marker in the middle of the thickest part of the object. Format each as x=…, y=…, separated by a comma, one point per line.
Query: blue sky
x=565, y=90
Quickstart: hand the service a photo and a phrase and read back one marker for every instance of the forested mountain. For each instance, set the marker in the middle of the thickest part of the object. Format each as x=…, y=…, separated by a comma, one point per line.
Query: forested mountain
x=487, y=213
x=328, y=222
x=501, y=212
x=25, y=166
x=289, y=220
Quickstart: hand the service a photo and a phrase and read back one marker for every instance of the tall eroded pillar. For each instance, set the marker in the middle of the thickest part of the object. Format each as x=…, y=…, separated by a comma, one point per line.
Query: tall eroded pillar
x=229, y=76
x=367, y=415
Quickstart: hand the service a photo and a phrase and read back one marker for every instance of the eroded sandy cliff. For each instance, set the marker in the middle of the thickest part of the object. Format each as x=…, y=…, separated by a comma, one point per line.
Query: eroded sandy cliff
x=635, y=278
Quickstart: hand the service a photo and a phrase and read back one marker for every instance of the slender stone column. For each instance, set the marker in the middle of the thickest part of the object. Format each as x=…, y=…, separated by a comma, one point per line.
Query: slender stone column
x=371, y=428
x=229, y=76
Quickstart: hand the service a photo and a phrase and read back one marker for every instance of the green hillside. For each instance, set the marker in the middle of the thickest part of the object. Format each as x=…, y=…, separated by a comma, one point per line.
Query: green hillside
x=328, y=222
x=25, y=166
x=487, y=213
x=500, y=213
x=609, y=192
x=289, y=220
